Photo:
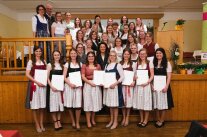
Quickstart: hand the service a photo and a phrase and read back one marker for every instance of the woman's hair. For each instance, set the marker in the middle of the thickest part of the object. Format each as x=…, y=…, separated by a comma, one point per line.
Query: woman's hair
x=164, y=58
x=77, y=36
x=76, y=24
x=91, y=33
x=113, y=51
x=134, y=30
x=107, y=49
x=56, y=17
x=73, y=49
x=34, y=57
x=84, y=24
x=121, y=21
x=112, y=30
x=129, y=60
x=94, y=62
x=139, y=59
x=37, y=8
x=128, y=43
x=150, y=34
x=123, y=29
x=141, y=22
x=115, y=41
x=53, y=60
x=98, y=16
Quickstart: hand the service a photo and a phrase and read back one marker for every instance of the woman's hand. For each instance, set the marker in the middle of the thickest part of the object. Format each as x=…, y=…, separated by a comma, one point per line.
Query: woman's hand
x=132, y=84
x=39, y=84
x=164, y=90
x=113, y=86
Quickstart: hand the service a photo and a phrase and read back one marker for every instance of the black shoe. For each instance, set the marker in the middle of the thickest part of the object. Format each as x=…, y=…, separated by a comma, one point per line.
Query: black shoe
x=144, y=125
x=60, y=127
x=139, y=124
x=56, y=129
x=159, y=125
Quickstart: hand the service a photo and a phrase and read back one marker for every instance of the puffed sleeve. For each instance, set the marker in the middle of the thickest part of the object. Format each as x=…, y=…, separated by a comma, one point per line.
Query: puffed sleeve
x=29, y=65
x=66, y=65
x=83, y=69
x=169, y=67
x=34, y=24
x=49, y=66
x=151, y=65
x=121, y=72
x=156, y=46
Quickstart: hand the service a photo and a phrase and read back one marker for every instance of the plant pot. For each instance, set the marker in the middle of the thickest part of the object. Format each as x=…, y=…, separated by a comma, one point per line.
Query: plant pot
x=189, y=71
x=182, y=71
x=179, y=27
x=205, y=71
x=199, y=71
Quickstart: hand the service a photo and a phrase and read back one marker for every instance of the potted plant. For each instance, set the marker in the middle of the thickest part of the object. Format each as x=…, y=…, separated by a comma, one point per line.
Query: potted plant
x=189, y=67
x=205, y=68
x=182, y=68
x=199, y=69
x=179, y=24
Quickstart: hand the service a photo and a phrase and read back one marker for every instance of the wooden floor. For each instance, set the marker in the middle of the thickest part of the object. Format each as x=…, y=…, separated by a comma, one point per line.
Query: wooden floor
x=171, y=129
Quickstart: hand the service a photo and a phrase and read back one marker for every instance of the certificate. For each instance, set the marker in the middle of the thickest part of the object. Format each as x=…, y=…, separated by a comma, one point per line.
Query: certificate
x=58, y=82
x=142, y=77
x=41, y=76
x=109, y=79
x=75, y=78
x=98, y=77
x=128, y=77
x=159, y=83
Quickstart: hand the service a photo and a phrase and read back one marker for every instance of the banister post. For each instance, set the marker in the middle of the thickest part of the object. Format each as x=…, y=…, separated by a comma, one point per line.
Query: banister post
x=68, y=44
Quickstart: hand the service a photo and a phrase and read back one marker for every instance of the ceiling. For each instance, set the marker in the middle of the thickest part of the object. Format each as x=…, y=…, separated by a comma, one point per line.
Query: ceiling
x=107, y=6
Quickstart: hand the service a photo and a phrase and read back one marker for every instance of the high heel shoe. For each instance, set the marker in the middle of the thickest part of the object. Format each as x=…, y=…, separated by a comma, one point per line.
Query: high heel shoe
x=39, y=130
x=144, y=125
x=56, y=128
x=159, y=124
x=139, y=124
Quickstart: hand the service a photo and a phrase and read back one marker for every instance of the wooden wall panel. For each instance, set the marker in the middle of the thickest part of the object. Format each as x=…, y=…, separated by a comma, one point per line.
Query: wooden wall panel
x=189, y=93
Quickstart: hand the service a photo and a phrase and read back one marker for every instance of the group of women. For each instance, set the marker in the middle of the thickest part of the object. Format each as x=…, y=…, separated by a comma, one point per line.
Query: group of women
x=93, y=49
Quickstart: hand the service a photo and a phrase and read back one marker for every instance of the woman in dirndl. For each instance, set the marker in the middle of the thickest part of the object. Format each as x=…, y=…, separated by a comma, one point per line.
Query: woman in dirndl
x=114, y=96
x=127, y=90
x=73, y=94
x=36, y=93
x=55, y=96
x=142, y=93
x=162, y=99
x=92, y=96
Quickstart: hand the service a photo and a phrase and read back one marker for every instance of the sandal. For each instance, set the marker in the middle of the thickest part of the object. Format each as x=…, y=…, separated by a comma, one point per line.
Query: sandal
x=159, y=124
x=139, y=124
x=56, y=129
x=144, y=125
x=60, y=127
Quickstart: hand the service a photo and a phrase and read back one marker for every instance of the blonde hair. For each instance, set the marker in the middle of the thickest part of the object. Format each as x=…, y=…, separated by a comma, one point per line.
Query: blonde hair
x=113, y=51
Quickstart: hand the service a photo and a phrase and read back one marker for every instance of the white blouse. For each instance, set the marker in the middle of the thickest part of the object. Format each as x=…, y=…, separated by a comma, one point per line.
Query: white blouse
x=57, y=66
x=59, y=28
x=29, y=64
x=34, y=22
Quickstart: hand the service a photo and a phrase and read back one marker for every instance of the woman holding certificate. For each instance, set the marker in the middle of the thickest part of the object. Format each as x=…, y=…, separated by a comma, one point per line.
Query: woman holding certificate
x=55, y=76
x=162, y=98
x=36, y=94
x=114, y=96
x=92, y=97
x=127, y=84
x=142, y=93
x=73, y=92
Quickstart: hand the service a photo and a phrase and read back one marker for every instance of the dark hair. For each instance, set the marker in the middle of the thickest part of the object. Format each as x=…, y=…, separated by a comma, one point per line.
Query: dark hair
x=115, y=24
x=134, y=30
x=139, y=59
x=115, y=42
x=98, y=16
x=56, y=17
x=34, y=57
x=123, y=29
x=128, y=43
x=37, y=8
x=77, y=35
x=94, y=62
x=107, y=49
x=129, y=61
x=122, y=20
x=164, y=58
x=141, y=22
x=84, y=24
x=53, y=60
x=91, y=33
x=76, y=24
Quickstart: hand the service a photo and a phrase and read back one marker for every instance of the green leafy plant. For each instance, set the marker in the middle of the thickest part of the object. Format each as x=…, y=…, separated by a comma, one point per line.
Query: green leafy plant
x=180, y=22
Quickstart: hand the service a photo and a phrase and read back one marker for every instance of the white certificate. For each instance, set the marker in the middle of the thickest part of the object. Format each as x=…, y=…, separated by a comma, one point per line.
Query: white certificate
x=75, y=78
x=98, y=77
x=109, y=79
x=159, y=83
x=128, y=77
x=142, y=77
x=58, y=82
x=41, y=76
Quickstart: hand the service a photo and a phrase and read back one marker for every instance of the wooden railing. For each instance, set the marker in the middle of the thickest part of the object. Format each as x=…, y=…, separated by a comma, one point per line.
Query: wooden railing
x=15, y=52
